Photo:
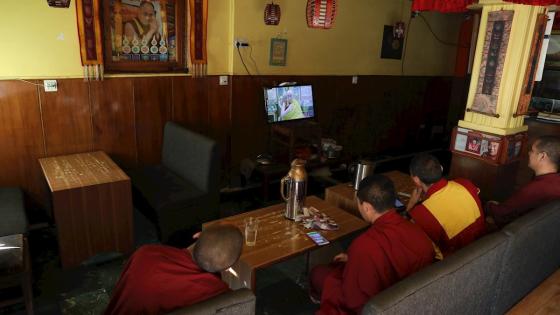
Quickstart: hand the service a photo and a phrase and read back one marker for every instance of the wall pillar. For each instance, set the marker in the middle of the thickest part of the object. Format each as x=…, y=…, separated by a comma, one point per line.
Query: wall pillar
x=489, y=140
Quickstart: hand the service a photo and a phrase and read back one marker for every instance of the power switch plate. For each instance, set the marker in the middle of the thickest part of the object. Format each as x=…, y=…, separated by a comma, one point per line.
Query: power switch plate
x=223, y=80
x=355, y=79
x=50, y=85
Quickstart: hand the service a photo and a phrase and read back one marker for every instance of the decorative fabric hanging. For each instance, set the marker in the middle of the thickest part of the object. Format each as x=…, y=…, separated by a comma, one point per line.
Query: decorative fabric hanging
x=272, y=14
x=198, y=15
x=89, y=33
x=321, y=13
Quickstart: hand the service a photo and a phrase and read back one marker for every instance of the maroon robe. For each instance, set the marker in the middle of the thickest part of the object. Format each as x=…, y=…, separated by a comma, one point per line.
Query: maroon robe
x=391, y=249
x=158, y=279
x=541, y=190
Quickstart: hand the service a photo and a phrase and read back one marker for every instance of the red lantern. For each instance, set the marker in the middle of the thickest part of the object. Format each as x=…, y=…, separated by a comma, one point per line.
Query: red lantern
x=321, y=13
x=272, y=14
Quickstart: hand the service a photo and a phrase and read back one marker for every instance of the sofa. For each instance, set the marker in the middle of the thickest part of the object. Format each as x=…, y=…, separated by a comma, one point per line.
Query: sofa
x=487, y=277
x=238, y=302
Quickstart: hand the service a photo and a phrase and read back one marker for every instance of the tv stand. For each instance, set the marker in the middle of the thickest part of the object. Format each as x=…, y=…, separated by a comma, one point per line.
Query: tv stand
x=288, y=135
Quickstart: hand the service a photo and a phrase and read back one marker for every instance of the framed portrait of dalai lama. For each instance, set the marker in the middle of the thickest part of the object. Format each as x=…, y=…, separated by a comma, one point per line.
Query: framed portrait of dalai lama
x=144, y=36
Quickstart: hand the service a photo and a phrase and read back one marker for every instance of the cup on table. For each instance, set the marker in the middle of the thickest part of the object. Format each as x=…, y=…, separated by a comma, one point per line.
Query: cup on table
x=251, y=227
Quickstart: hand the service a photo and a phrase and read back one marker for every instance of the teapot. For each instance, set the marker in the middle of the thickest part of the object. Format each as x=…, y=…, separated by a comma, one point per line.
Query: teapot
x=361, y=170
x=296, y=182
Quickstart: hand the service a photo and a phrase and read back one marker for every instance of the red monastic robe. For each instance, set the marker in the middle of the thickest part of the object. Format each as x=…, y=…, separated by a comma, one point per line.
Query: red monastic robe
x=541, y=190
x=451, y=215
x=391, y=249
x=158, y=279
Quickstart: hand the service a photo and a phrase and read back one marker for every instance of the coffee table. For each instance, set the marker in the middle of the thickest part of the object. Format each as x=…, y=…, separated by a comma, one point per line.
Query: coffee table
x=344, y=195
x=279, y=239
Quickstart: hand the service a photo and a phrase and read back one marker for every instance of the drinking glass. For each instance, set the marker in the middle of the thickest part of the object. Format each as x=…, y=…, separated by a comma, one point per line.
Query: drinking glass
x=251, y=227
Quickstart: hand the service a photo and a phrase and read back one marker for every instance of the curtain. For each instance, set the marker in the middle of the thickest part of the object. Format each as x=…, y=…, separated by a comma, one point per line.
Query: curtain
x=535, y=2
x=441, y=5
x=461, y=5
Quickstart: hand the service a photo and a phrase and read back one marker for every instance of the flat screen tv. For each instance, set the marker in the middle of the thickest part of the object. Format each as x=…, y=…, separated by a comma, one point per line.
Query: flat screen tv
x=287, y=103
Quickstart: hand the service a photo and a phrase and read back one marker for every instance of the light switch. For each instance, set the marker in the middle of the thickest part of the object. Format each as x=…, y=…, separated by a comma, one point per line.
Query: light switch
x=354, y=79
x=223, y=80
x=50, y=85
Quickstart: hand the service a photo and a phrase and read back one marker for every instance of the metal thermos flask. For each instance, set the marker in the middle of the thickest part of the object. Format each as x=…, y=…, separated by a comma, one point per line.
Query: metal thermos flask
x=294, y=195
x=360, y=171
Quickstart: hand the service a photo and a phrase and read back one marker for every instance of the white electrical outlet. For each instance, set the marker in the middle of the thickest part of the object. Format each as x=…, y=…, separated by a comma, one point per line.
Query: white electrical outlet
x=240, y=42
x=355, y=79
x=50, y=85
x=223, y=80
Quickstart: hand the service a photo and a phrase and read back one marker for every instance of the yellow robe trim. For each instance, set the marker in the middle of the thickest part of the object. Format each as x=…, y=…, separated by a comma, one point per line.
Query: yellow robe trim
x=453, y=207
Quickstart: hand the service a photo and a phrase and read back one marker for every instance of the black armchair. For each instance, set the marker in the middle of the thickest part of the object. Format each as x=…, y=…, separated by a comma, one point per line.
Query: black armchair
x=183, y=191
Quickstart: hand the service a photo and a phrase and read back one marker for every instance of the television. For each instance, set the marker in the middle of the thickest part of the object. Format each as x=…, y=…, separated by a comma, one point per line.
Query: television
x=288, y=103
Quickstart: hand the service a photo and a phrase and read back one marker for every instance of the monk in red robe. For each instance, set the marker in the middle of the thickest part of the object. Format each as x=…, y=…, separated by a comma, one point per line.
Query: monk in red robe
x=159, y=279
x=544, y=160
x=391, y=249
x=451, y=213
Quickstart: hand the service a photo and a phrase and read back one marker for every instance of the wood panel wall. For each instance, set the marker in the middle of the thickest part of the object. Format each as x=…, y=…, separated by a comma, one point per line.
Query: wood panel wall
x=125, y=116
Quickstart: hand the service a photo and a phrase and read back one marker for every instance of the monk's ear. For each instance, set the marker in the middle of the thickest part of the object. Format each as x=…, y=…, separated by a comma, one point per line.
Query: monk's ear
x=368, y=207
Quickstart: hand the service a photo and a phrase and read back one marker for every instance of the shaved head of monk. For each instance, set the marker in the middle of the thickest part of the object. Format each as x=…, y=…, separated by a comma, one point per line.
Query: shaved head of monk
x=218, y=247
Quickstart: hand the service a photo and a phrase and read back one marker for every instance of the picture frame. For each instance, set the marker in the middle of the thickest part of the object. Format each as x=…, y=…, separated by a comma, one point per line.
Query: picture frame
x=491, y=148
x=142, y=36
x=278, y=51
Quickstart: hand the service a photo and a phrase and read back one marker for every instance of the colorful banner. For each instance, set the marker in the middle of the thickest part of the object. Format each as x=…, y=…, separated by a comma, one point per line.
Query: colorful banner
x=494, y=51
x=198, y=13
x=89, y=32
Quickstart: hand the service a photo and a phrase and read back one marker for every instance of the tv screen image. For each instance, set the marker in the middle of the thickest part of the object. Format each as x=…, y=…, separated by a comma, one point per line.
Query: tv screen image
x=284, y=103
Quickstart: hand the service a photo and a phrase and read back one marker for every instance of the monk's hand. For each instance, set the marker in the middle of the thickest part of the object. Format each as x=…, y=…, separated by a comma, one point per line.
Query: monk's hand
x=342, y=257
x=414, y=198
x=196, y=235
x=153, y=26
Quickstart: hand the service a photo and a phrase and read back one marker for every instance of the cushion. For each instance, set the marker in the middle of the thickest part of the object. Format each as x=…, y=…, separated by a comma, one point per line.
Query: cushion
x=12, y=211
x=163, y=189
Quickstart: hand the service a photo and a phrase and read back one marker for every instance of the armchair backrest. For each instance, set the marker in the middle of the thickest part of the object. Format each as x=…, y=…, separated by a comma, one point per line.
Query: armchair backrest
x=12, y=212
x=463, y=283
x=237, y=302
x=533, y=253
x=192, y=156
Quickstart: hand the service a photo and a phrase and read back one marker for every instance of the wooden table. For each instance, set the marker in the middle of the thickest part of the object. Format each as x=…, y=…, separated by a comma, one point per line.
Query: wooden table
x=344, y=195
x=92, y=205
x=279, y=239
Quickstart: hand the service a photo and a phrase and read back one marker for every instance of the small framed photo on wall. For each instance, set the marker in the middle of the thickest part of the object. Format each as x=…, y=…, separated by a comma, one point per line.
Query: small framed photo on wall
x=278, y=51
x=144, y=36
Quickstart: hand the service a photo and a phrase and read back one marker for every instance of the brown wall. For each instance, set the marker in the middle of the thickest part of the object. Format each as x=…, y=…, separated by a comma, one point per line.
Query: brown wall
x=125, y=116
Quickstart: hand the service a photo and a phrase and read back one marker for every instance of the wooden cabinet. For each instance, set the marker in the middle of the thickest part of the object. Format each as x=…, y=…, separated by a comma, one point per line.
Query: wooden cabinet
x=92, y=205
x=286, y=137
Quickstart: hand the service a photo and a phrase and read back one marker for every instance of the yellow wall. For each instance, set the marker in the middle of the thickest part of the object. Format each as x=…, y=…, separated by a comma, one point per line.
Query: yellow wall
x=352, y=46
x=31, y=48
